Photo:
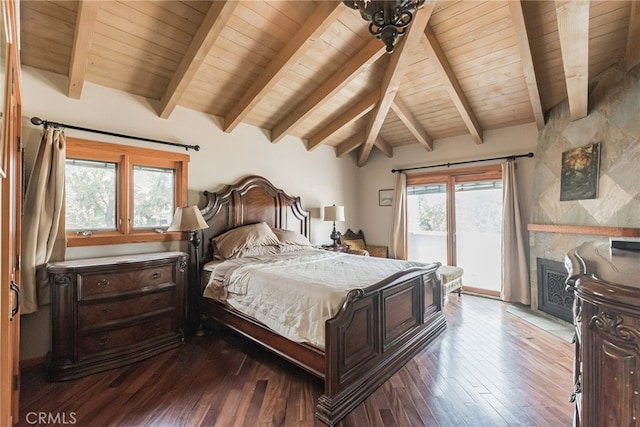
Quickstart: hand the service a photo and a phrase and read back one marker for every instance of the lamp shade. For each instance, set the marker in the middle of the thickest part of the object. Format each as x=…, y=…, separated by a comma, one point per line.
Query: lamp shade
x=334, y=213
x=187, y=218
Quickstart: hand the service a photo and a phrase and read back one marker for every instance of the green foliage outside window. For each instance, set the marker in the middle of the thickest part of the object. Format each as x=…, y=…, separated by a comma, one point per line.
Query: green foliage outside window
x=153, y=200
x=432, y=216
x=90, y=195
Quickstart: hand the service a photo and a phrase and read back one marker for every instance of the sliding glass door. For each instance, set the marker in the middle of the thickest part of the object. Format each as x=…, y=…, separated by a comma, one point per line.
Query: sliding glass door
x=478, y=234
x=455, y=217
x=427, y=222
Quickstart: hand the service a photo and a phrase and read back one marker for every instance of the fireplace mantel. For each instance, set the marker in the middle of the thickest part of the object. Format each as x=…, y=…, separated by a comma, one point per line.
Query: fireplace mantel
x=595, y=230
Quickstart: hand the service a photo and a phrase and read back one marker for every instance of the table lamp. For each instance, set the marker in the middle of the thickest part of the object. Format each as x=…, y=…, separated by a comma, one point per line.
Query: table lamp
x=334, y=213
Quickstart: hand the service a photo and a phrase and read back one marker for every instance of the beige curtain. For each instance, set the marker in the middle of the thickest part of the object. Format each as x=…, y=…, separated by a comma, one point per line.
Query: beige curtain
x=43, y=223
x=399, y=225
x=515, y=272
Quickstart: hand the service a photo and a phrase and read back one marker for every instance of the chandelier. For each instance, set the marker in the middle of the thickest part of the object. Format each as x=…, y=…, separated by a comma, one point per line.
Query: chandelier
x=388, y=19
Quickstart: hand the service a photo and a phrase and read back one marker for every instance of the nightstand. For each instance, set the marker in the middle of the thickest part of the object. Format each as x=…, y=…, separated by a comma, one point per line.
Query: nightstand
x=337, y=248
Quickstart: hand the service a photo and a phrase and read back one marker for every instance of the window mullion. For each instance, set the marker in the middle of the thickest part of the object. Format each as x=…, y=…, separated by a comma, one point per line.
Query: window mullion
x=125, y=204
x=451, y=221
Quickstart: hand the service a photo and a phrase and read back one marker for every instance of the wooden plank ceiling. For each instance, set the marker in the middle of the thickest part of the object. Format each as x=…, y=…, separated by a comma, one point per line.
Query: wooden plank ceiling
x=312, y=70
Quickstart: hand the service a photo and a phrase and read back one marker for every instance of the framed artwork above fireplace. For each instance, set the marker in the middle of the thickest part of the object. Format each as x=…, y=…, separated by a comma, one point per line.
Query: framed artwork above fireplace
x=580, y=170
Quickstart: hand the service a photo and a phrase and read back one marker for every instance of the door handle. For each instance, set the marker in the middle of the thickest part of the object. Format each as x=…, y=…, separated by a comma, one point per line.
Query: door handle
x=15, y=288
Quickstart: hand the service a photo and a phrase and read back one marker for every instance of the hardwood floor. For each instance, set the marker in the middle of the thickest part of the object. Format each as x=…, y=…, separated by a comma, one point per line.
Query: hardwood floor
x=488, y=368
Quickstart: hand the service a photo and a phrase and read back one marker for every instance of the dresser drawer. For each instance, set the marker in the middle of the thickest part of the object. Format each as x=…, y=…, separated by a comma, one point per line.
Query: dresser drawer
x=92, y=285
x=116, y=339
x=111, y=311
x=103, y=312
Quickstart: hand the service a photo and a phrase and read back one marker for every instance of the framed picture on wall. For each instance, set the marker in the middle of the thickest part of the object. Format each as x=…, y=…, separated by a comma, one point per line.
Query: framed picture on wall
x=385, y=197
x=580, y=170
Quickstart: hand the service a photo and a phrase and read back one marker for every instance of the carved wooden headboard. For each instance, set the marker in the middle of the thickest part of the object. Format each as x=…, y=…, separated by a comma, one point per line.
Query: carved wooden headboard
x=252, y=199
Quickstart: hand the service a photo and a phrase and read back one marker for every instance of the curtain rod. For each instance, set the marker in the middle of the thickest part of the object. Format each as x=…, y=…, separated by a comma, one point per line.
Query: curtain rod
x=38, y=121
x=511, y=157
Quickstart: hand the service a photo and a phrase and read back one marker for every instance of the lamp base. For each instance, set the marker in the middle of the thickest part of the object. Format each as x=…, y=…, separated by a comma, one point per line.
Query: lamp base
x=335, y=235
x=194, y=320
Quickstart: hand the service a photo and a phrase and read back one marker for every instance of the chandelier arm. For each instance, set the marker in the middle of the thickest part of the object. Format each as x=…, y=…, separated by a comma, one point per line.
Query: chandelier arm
x=374, y=29
x=387, y=19
x=405, y=20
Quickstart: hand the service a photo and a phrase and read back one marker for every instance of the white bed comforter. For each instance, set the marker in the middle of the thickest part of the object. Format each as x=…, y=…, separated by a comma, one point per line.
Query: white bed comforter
x=295, y=293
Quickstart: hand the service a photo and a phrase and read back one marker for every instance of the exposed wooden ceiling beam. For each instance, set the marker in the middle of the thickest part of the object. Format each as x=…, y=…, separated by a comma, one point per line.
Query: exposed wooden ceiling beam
x=353, y=142
x=365, y=57
x=322, y=16
x=398, y=63
x=383, y=146
x=361, y=108
x=412, y=124
x=451, y=84
x=517, y=16
x=573, y=31
x=85, y=24
x=214, y=22
x=357, y=140
x=633, y=36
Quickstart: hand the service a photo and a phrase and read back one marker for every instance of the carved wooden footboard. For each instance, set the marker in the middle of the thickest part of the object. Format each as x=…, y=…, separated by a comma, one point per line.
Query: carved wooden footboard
x=377, y=330
x=375, y=333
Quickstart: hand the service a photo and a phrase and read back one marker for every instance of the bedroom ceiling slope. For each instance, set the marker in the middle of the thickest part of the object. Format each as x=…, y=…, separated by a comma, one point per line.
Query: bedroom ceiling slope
x=312, y=70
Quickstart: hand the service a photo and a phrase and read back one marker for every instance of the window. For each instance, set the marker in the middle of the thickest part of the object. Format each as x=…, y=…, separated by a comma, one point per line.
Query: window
x=455, y=217
x=121, y=194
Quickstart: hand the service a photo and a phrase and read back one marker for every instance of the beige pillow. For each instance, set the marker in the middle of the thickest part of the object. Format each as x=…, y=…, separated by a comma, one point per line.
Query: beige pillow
x=258, y=251
x=290, y=237
x=355, y=244
x=235, y=242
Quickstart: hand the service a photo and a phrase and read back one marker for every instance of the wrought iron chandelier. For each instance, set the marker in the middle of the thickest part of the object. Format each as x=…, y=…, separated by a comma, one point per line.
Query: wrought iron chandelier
x=388, y=19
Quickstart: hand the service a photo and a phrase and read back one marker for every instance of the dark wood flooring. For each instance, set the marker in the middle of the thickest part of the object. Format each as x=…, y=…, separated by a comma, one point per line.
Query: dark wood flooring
x=489, y=368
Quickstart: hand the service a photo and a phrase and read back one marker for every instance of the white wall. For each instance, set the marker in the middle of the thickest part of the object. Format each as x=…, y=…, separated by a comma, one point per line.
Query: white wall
x=318, y=177
x=375, y=221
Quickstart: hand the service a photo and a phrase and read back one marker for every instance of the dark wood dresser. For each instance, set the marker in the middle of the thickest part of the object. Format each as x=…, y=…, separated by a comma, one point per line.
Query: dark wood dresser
x=108, y=312
x=606, y=283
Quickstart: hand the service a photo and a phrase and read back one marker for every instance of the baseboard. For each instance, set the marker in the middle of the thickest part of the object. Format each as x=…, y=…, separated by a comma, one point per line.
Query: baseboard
x=480, y=292
x=35, y=361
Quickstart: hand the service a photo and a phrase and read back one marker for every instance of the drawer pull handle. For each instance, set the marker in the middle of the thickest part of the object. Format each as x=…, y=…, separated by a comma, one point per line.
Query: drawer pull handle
x=157, y=326
x=105, y=310
x=103, y=341
x=104, y=282
x=156, y=275
x=156, y=301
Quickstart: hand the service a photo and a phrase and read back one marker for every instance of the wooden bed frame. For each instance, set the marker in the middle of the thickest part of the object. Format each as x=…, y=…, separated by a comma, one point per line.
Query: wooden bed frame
x=374, y=334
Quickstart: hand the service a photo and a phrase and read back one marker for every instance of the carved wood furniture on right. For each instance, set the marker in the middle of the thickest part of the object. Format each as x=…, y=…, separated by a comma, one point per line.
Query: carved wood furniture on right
x=111, y=311
x=606, y=283
x=377, y=330
x=357, y=244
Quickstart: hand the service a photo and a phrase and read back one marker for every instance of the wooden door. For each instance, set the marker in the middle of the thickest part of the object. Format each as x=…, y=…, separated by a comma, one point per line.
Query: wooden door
x=11, y=209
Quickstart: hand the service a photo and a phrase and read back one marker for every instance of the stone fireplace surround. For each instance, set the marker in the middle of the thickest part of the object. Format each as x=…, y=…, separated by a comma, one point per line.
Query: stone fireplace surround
x=556, y=227
x=552, y=242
